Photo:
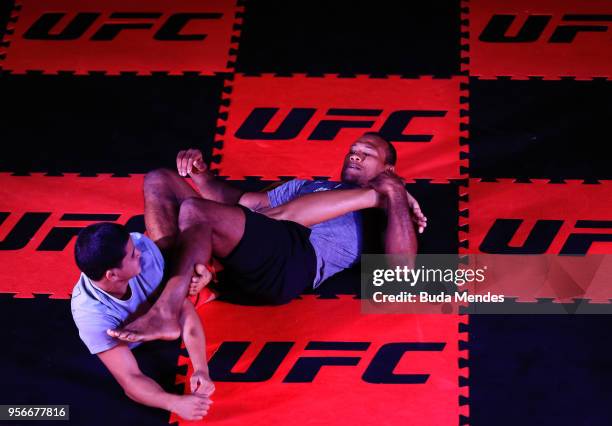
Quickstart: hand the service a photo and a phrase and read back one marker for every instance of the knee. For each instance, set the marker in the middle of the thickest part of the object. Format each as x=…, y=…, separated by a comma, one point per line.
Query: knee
x=191, y=212
x=156, y=179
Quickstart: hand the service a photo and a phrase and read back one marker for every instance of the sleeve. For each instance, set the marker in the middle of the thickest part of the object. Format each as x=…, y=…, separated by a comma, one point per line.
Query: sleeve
x=92, y=330
x=152, y=262
x=286, y=192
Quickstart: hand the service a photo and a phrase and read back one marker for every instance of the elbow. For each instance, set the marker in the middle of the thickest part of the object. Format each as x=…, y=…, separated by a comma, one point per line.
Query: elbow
x=402, y=258
x=291, y=214
x=402, y=261
x=189, y=333
x=130, y=393
x=128, y=386
x=278, y=213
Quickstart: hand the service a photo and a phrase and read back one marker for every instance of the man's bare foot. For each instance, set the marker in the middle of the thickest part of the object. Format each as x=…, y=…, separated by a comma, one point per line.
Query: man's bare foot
x=151, y=326
x=202, y=276
x=190, y=407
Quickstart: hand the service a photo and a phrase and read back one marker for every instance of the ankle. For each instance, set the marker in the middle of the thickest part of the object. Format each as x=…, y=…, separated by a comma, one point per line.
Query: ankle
x=162, y=311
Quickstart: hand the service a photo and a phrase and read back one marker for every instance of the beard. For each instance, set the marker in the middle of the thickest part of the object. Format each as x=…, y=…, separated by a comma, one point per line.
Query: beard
x=351, y=177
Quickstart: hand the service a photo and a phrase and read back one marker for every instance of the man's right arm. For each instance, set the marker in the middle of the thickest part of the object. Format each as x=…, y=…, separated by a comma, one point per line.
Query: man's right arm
x=317, y=207
x=191, y=162
x=123, y=366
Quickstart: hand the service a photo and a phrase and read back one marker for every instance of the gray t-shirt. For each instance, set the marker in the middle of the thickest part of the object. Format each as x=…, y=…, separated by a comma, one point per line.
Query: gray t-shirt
x=337, y=242
x=94, y=310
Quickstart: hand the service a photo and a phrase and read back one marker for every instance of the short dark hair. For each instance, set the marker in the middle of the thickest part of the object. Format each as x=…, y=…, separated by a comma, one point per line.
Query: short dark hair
x=100, y=247
x=391, y=152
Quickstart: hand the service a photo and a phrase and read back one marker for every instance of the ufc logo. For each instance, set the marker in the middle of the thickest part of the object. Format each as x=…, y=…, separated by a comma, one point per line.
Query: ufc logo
x=541, y=236
x=107, y=29
x=531, y=31
x=393, y=129
x=306, y=368
x=59, y=236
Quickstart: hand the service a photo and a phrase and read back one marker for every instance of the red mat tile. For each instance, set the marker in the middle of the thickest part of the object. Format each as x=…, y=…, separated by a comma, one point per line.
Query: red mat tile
x=337, y=393
x=33, y=257
x=509, y=218
x=547, y=38
x=303, y=126
x=110, y=36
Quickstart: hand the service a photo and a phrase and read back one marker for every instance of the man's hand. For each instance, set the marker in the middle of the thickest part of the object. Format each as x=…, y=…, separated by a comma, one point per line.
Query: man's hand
x=388, y=184
x=417, y=215
x=190, y=162
x=201, y=384
x=391, y=185
x=191, y=407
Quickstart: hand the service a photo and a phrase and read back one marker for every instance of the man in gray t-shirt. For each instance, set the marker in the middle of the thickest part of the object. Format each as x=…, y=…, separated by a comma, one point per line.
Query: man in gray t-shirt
x=275, y=244
x=95, y=310
x=121, y=274
x=337, y=242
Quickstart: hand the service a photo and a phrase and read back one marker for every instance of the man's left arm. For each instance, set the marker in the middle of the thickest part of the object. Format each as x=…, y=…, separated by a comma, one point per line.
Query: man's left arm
x=195, y=342
x=400, y=236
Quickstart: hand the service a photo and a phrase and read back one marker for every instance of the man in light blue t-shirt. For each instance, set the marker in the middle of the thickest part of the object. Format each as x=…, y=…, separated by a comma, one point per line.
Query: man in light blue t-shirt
x=272, y=245
x=121, y=275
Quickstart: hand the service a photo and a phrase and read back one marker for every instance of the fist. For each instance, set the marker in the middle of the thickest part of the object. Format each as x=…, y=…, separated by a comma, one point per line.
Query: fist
x=387, y=183
x=190, y=162
x=201, y=384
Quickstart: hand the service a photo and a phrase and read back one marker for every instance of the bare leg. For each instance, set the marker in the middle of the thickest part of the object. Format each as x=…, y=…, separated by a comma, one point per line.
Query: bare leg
x=164, y=191
x=207, y=228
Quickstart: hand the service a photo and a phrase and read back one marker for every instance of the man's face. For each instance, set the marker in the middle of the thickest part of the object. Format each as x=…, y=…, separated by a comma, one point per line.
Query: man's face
x=365, y=160
x=130, y=265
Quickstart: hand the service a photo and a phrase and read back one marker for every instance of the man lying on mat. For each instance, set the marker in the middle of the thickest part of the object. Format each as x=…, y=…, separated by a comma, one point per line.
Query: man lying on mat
x=272, y=245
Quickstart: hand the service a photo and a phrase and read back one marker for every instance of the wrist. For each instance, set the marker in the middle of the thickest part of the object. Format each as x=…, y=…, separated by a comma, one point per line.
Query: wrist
x=397, y=196
x=397, y=200
x=170, y=401
x=372, y=197
x=202, y=369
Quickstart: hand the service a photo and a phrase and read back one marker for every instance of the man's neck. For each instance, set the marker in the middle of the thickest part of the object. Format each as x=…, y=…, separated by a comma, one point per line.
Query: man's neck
x=118, y=289
x=356, y=184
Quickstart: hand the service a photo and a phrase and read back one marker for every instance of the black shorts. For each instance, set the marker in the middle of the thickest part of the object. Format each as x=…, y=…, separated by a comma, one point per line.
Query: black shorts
x=272, y=264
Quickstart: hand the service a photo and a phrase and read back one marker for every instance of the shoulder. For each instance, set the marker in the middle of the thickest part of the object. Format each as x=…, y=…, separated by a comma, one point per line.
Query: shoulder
x=288, y=186
x=92, y=317
x=85, y=300
x=149, y=250
x=294, y=183
x=151, y=262
x=144, y=243
x=285, y=192
x=82, y=293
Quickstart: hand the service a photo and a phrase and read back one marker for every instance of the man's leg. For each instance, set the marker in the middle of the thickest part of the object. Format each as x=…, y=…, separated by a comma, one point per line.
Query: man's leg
x=164, y=191
x=207, y=228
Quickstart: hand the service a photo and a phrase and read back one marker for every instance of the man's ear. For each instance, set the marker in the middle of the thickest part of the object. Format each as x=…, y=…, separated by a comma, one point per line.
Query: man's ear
x=110, y=275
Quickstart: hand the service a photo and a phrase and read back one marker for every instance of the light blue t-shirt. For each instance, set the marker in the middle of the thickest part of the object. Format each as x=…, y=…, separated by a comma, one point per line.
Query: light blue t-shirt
x=337, y=242
x=94, y=310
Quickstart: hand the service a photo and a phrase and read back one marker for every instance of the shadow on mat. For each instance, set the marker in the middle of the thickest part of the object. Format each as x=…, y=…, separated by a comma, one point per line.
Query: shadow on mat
x=43, y=361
